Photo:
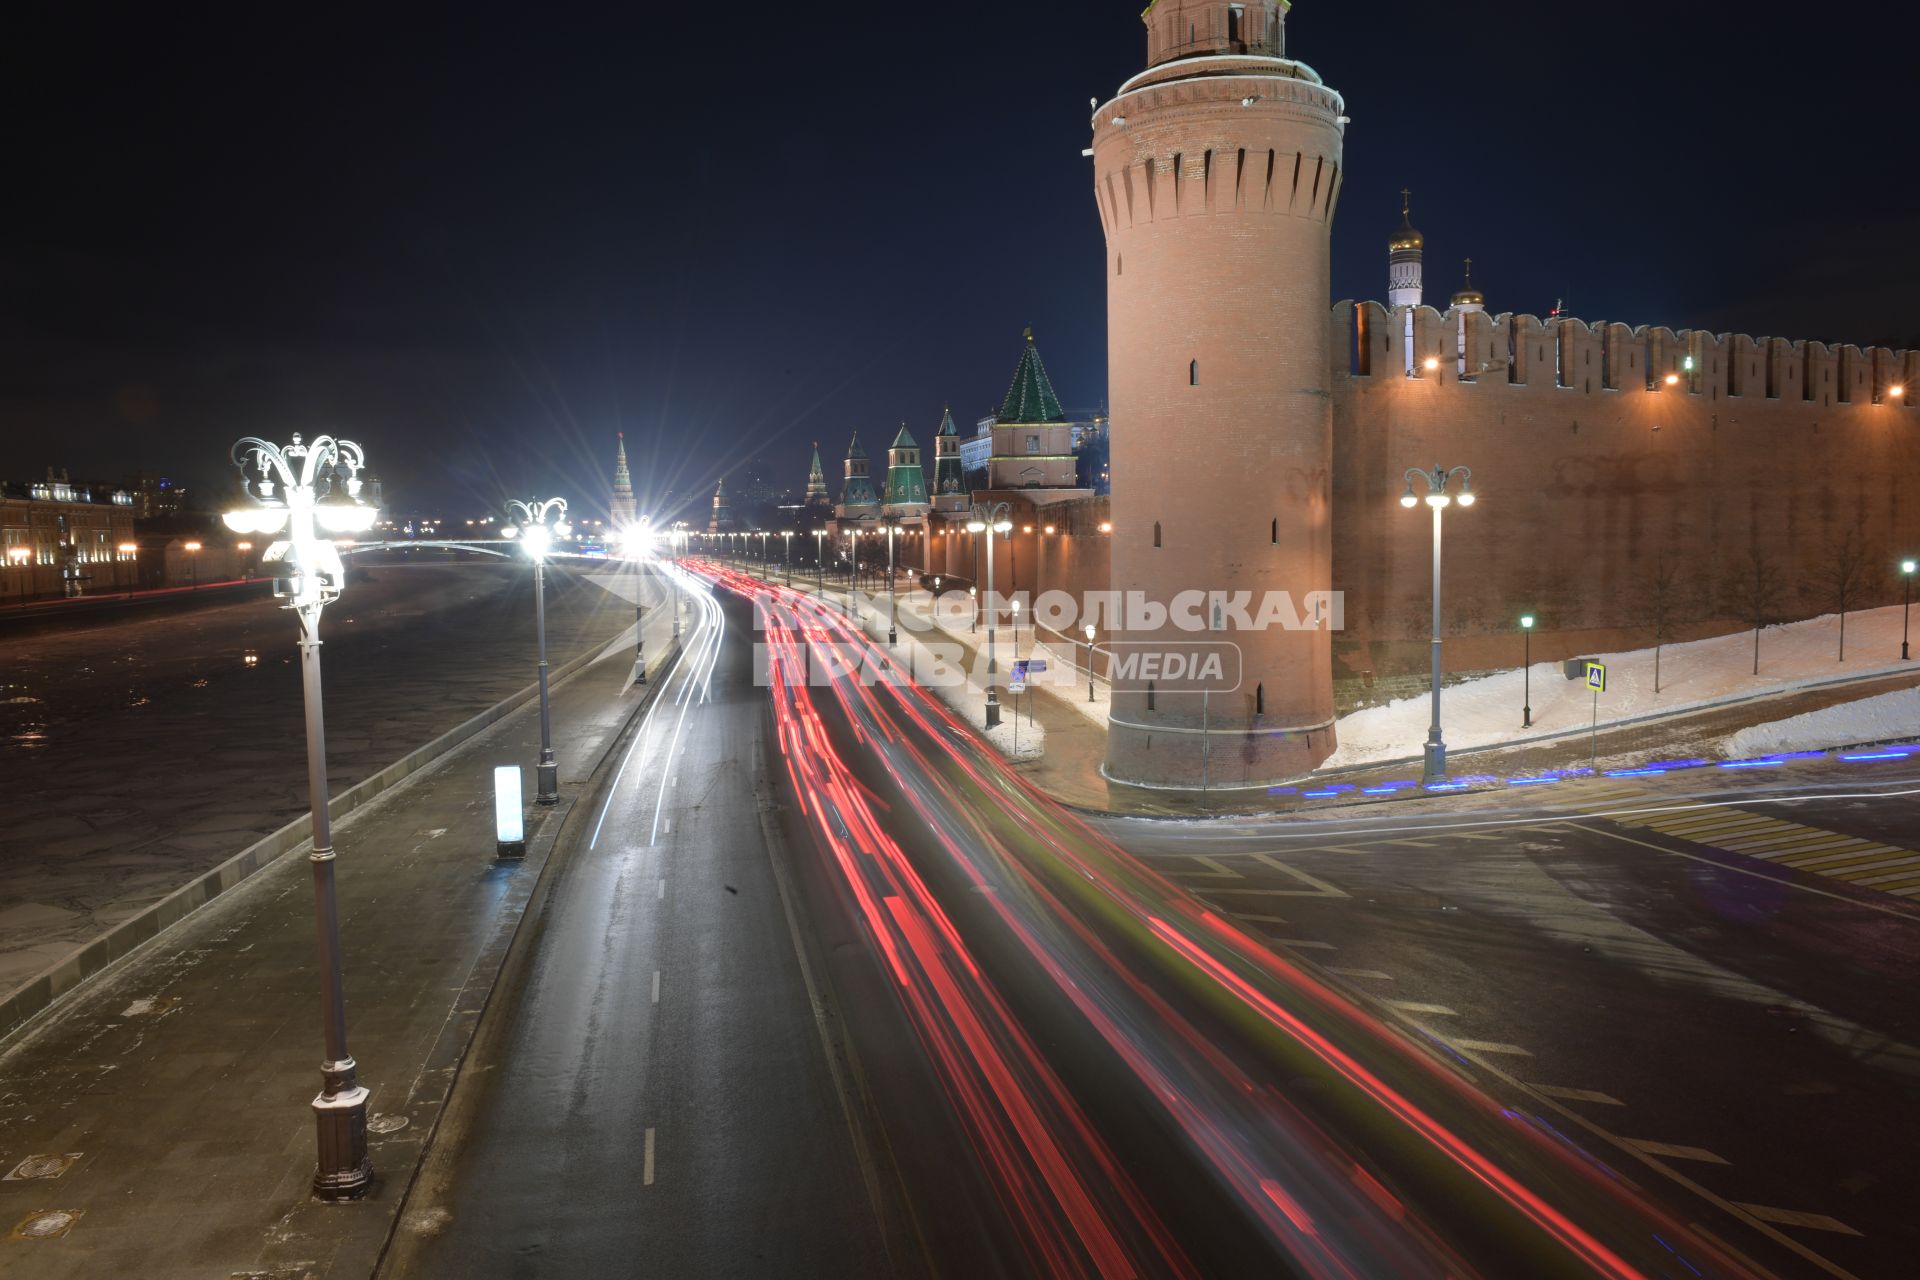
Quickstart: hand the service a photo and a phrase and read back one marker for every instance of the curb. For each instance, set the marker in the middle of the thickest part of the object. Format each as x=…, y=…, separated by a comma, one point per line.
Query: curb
x=42, y=991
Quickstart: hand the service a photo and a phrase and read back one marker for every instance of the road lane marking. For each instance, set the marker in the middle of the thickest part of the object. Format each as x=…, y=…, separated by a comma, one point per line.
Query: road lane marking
x=1242, y=915
x=1417, y=1006
x=1306, y=944
x=656, y=986
x=646, y=1172
x=1673, y=1152
x=1361, y=973
x=1318, y=888
x=661, y=892
x=668, y=828
x=1794, y=1218
x=1577, y=1095
x=1491, y=1046
x=1215, y=870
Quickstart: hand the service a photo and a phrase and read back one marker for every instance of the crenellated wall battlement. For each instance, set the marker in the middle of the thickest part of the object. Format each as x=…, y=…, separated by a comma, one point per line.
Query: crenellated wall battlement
x=1610, y=459
x=1565, y=353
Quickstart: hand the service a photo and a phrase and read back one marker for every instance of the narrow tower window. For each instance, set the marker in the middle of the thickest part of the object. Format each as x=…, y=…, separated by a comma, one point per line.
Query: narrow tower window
x=1193, y=373
x=1149, y=695
x=1276, y=531
x=1156, y=533
x=1260, y=699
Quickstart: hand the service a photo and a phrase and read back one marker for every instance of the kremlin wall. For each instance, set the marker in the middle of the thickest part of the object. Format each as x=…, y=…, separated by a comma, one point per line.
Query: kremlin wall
x=1259, y=442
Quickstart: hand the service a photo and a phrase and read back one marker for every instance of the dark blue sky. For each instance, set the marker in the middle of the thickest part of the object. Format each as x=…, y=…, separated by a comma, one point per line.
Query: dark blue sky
x=481, y=241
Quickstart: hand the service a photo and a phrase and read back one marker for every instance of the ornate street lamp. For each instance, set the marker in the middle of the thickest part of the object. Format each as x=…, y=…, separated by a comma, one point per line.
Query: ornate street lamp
x=993, y=520
x=296, y=488
x=786, y=536
x=820, y=560
x=636, y=540
x=1436, y=481
x=528, y=521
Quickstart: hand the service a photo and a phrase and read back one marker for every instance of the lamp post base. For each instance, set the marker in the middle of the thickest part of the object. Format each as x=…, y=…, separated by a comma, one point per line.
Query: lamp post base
x=547, y=782
x=1526, y=717
x=993, y=713
x=1434, y=766
x=344, y=1172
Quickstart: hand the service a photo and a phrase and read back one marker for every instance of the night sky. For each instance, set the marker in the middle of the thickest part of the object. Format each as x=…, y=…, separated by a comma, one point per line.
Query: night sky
x=481, y=241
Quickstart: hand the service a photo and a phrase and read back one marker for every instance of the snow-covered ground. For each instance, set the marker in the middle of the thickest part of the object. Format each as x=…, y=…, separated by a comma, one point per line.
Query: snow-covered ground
x=1700, y=673
x=1886, y=718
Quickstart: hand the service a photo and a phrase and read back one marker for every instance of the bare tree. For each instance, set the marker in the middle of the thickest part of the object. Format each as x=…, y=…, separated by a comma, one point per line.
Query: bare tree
x=1842, y=579
x=1668, y=588
x=1753, y=592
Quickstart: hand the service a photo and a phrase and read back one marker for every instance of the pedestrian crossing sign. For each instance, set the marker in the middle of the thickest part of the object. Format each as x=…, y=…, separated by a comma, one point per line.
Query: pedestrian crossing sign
x=1597, y=676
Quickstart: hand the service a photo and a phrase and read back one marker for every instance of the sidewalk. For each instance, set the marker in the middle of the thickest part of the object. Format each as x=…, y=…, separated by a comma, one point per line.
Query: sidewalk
x=173, y=1092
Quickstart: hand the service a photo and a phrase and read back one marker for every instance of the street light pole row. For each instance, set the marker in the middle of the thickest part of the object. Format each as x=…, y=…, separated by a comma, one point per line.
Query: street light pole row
x=1436, y=481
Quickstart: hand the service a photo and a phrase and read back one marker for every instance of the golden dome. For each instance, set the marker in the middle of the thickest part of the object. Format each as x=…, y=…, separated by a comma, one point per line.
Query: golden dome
x=1406, y=237
x=1468, y=295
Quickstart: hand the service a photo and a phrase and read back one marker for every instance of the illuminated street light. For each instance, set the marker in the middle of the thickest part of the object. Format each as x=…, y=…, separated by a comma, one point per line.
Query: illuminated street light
x=1436, y=481
x=786, y=536
x=636, y=540
x=1907, y=568
x=893, y=604
x=193, y=565
x=820, y=560
x=993, y=520
x=1526, y=672
x=298, y=487
x=1089, y=662
x=1431, y=363
x=528, y=521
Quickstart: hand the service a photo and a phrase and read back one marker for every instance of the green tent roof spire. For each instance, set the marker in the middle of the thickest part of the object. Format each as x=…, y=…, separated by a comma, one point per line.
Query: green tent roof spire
x=1031, y=398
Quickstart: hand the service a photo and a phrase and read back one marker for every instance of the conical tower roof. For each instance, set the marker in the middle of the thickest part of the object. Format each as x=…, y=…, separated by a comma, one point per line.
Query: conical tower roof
x=1031, y=398
x=622, y=478
x=946, y=423
x=856, y=449
x=905, y=439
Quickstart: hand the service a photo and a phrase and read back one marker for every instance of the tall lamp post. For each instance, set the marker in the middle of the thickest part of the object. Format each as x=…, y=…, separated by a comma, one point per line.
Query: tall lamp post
x=993, y=520
x=893, y=606
x=193, y=565
x=1906, y=607
x=786, y=536
x=763, y=553
x=1436, y=481
x=1526, y=672
x=820, y=561
x=1089, y=662
x=528, y=521
x=297, y=487
x=636, y=540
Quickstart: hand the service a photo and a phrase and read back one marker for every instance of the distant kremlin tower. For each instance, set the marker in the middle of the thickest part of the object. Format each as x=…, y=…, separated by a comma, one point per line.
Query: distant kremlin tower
x=1216, y=173
x=621, y=507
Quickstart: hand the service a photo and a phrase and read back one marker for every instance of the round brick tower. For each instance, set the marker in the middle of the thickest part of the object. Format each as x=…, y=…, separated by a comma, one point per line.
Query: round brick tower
x=1216, y=172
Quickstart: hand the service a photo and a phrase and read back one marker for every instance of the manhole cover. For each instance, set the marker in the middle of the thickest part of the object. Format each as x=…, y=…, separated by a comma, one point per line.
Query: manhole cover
x=386, y=1124
x=46, y=1224
x=41, y=1167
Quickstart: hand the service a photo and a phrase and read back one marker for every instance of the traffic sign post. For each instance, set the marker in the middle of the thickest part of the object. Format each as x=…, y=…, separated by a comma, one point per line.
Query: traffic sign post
x=1596, y=681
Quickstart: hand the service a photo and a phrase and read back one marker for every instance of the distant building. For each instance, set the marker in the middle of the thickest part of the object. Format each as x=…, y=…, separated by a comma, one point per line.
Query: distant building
x=58, y=538
x=721, y=521
x=621, y=507
x=1032, y=439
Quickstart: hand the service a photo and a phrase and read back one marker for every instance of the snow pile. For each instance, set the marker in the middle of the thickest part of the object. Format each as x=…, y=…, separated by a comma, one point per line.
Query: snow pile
x=1487, y=710
x=1887, y=718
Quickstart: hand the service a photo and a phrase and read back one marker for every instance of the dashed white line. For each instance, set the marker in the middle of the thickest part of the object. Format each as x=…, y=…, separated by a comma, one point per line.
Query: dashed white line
x=1417, y=1006
x=1305, y=944
x=1794, y=1218
x=1241, y=915
x=661, y=891
x=646, y=1171
x=656, y=986
x=1673, y=1152
x=1361, y=973
x=1577, y=1095
x=1491, y=1046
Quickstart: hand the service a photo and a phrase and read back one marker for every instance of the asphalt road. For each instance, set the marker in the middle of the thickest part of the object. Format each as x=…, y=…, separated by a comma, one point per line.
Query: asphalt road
x=913, y=1017
x=659, y=1101
x=1736, y=1037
